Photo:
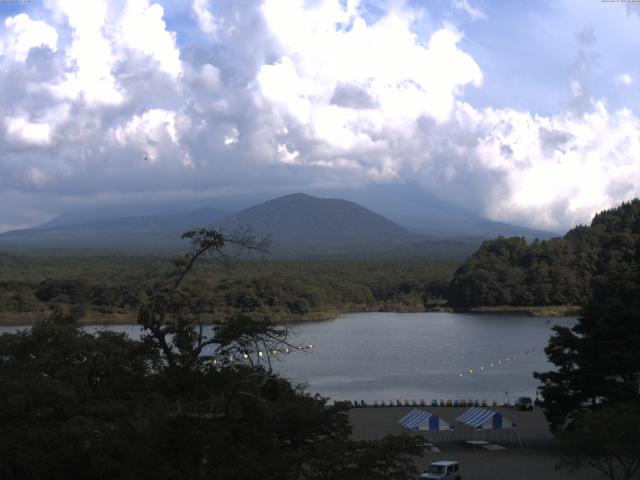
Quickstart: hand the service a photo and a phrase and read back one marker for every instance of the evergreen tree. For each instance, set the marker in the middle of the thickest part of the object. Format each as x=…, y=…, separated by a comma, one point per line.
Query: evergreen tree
x=507, y=271
x=592, y=400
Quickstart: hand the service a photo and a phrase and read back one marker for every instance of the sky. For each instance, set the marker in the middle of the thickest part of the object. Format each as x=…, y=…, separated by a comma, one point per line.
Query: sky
x=523, y=112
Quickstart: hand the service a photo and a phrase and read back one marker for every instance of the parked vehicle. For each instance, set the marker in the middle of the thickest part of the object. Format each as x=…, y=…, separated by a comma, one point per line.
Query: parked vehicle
x=443, y=470
x=524, y=403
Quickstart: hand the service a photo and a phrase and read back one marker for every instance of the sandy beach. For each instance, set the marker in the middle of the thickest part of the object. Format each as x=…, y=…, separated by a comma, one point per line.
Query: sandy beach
x=530, y=455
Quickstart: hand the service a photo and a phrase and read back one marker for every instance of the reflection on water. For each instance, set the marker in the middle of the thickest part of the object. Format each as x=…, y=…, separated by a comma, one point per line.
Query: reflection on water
x=387, y=356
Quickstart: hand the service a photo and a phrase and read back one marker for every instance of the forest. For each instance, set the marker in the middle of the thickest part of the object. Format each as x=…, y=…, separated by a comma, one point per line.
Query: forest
x=508, y=271
x=503, y=272
x=96, y=288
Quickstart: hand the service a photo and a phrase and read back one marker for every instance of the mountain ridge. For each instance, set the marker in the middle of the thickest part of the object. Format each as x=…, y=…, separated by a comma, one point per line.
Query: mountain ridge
x=300, y=226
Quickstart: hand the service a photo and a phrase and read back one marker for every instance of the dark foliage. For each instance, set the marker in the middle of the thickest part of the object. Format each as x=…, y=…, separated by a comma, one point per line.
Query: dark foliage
x=607, y=439
x=177, y=404
x=592, y=399
x=281, y=290
x=598, y=360
x=508, y=271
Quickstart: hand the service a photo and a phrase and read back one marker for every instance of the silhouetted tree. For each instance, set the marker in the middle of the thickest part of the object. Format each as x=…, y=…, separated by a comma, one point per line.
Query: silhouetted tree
x=607, y=439
x=184, y=402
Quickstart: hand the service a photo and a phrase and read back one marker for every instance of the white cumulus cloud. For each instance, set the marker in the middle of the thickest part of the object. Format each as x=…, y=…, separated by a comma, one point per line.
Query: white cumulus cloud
x=154, y=132
x=291, y=94
x=22, y=34
x=206, y=20
x=474, y=12
x=90, y=56
x=347, y=82
x=104, y=36
x=143, y=28
x=624, y=79
x=557, y=170
x=22, y=130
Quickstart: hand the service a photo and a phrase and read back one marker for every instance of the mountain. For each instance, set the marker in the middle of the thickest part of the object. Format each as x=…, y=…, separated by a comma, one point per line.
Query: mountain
x=223, y=205
x=302, y=225
x=299, y=225
x=130, y=234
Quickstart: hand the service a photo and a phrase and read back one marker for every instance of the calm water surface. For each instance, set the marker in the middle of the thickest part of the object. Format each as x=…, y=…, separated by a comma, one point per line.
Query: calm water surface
x=387, y=356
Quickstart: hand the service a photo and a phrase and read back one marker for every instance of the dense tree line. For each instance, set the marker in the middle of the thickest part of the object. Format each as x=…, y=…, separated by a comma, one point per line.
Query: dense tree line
x=508, y=271
x=284, y=290
x=592, y=398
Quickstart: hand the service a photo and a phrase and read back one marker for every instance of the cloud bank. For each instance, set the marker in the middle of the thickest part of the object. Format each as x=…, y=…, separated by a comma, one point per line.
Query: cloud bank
x=136, y=99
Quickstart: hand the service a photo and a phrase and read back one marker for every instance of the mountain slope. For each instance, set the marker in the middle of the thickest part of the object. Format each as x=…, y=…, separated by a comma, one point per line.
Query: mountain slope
x=135, y=234
x=412, y=207
x=300, y=224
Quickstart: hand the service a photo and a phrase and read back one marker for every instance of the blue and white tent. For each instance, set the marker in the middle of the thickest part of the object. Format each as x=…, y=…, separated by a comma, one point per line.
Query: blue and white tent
x=483, y=419
x=423, y=420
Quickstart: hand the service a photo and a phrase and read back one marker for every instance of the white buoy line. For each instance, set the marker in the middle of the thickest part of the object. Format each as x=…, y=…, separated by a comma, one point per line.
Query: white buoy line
x=248, y=355
x=496, y=363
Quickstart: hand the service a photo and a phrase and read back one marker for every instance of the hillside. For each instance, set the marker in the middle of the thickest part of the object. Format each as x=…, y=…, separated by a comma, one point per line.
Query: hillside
x=510, y=271
x=300, y=224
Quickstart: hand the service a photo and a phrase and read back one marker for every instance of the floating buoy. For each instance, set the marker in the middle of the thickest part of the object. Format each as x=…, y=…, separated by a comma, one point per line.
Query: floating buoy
x=513, y=356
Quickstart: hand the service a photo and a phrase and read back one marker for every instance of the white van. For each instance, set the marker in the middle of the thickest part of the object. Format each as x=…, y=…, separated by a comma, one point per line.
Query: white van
x=443, y=470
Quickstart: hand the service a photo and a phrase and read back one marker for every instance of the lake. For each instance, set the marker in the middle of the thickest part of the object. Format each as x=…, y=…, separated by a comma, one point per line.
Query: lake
x=387, y=356
x=413, y=356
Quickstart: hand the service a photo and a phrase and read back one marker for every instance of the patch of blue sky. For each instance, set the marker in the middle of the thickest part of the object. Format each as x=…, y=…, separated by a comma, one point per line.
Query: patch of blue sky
x=11, y=8
x=528, y=53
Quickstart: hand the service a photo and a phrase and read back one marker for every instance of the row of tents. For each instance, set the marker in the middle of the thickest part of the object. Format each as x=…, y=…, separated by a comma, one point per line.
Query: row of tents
x=476, y=418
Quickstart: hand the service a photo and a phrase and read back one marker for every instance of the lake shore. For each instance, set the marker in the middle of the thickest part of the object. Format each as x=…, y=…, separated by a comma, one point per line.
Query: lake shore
x=533, y=311
x=536, y=459
x=130, y=318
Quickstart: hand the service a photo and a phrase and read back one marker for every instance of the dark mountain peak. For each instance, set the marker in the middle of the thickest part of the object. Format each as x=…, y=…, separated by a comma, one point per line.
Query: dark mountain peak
x=299, y=222
x=294, y=196
x=306, y=201
x=299, y=212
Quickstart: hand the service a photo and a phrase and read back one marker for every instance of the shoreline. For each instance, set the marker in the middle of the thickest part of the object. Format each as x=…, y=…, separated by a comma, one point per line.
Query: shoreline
x=21, y=319
x=533, y=311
